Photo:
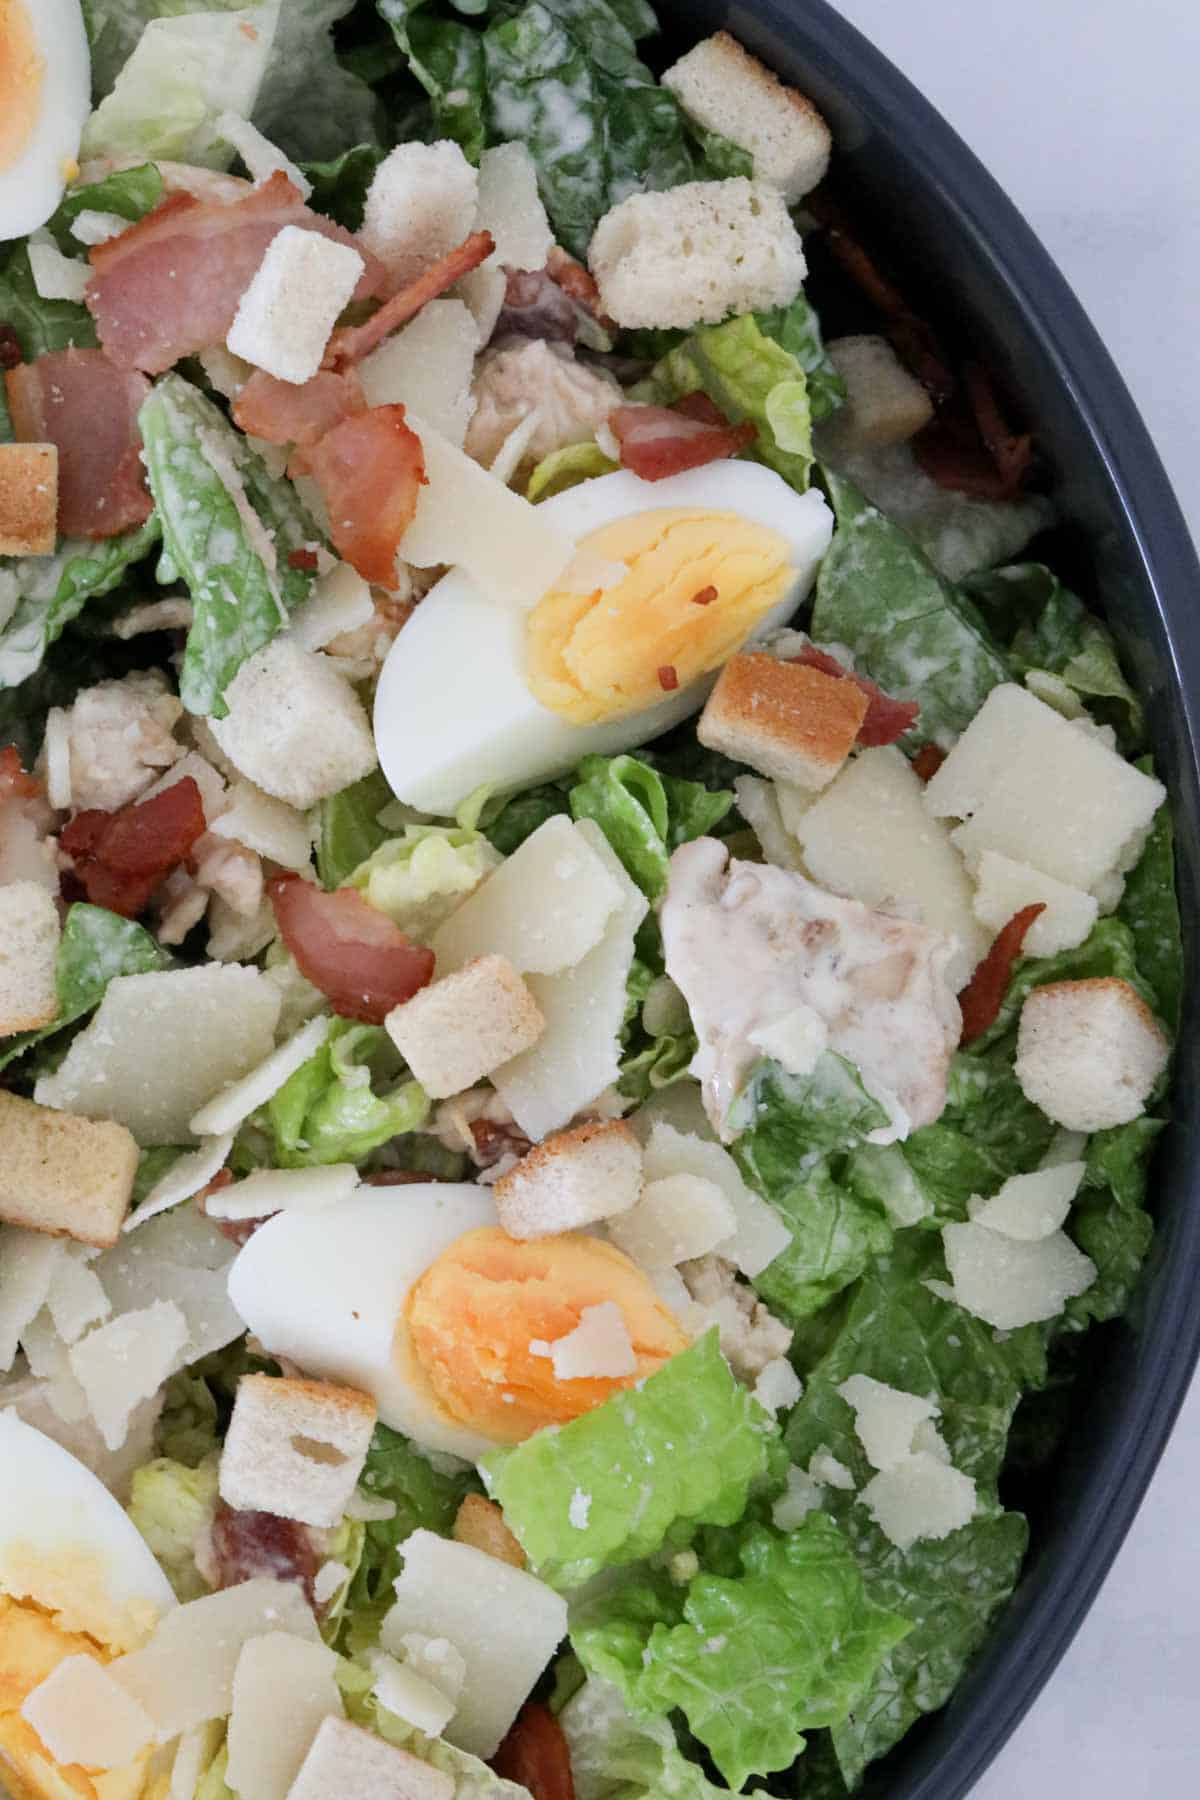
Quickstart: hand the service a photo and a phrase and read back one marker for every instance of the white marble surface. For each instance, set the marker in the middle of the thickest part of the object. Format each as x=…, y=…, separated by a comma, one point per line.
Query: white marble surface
x=1086, y=112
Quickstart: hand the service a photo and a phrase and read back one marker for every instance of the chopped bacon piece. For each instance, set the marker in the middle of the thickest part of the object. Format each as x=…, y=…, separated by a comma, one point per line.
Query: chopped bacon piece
x=15, y=784
x=927, y=761
x=352, y=342
x=886, y=719
x=359, y=959
x=1011, y=453
x=493, y=1141
x=122, y=858
x=238, y=1231
x=10, y=348
x=959, y=464
x=983, y=995
x=308, y=560
x=88, y=407
x=536, y=1756
x=658, y=441
x=170, y=285
x=579, y=283
x=697, y=405
x=668, y=678
x=397, y=1178
x=248, y=1544
x=370, y=470
x=705, y=597
x=287, y=412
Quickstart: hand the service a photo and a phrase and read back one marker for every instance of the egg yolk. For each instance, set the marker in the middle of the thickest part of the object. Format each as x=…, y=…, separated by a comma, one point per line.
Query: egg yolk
x=31, y=1646
x=21, y=71
x=698, y=584
x=476, y=1311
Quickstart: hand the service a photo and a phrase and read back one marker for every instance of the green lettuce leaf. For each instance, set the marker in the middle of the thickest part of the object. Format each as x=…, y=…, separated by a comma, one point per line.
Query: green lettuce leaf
x=644, y=815
x=798, y=330
x=1109, y=1220
x=615, y=1756
x=172, y=1505
x=129, y=193
x=207, y=482
x=50, y=591
x=566, y=468
x=836, y=1232
x=680, y=1450
x=1109, y=949
x=782, y=1121
x=907, y=628
x=309, y=103
x=749, y=376
x=339, y=184
x=95, y=946
x=40, y=325
x=189, y=1425
x=508, y=824
x=329, y=1111
x=1150, y=909
x=348, y=828
x=418, y=879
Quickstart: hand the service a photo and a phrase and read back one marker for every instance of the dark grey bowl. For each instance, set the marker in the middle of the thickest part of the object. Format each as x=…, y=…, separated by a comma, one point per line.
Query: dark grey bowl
x=957, y=237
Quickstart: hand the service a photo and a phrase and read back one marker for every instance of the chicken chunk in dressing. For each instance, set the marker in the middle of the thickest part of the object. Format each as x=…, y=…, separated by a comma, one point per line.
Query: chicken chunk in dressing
x=772, y=965
x=572, y=400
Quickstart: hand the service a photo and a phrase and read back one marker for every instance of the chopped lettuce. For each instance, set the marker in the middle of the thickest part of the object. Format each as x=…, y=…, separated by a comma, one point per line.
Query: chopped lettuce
x=348, y=828
x=507, y=825
x=472, y=1779
x=644, y=815
x=330, y=1112
x=783, y=1122
x=48, y=592
x=171, y=1505
x=418, y=878
x=798, y=330
x=566, y=468
x=754, y=1659
x=1109, y=1220
x=340, y=183
x=1149, y=908
x=749, y=375
x=189, y=1427
x=129, y=193
x=656, y=1461
x=95, y=946
x=905, y=625
x=447, y=58
x=617, y=1756
x=228, y=527
x=309, y=103
x=40, y=325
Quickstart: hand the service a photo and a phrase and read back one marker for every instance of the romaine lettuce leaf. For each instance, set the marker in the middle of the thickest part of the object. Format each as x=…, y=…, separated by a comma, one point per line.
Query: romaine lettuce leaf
x=330, y=1112
x=348, y=828
x=749, y=376
x=50, y=591
x=680, y=1450
x=171, y=1505
x=615, y=1756
x=644, y=815
x=129, y=193
x=1109, y=1220
x=566, y=468
x=1109, y=949
x=95, y=946
x=906, y=627
x=340, y=183
x=798, y=330
x=308, y=103
x=228, y=527
x=418, y=878
x=40, y=325
x=1150, y=909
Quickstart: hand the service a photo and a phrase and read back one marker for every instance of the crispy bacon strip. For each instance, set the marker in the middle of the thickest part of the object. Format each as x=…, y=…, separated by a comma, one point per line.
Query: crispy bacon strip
x=352, y=342
x=248, y=1544
x=927, y=761
x=579, y=283
x=15, y=784
x=370, y=470
x=300, y=413
x=535, y=1755
x=122, y=858
x=886, y=719
x=359, y=959
x=10, y=348
x=660, y=441
x=82, y=402
x=1012, y=453
x=170, y=285
x=983, y=995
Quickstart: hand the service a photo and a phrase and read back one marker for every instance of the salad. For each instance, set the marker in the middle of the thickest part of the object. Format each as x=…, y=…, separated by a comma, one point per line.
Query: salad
x=588, y=940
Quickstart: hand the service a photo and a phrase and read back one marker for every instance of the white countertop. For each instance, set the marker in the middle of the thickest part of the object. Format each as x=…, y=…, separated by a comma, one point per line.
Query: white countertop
x=1085, y=111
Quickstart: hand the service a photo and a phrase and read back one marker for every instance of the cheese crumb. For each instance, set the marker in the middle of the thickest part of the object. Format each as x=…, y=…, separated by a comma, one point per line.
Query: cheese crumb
x=922, y=1497
x=598, y=1347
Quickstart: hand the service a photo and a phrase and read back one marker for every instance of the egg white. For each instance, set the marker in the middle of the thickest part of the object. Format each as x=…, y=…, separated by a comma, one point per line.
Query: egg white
x=53, y=1509
x=327, y=1289
x=453, y=710
x=32, y=185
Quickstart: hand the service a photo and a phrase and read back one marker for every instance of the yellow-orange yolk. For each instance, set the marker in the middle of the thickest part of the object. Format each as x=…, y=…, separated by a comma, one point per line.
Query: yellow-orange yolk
x=31, y=1647
x=21, y=71
x=476, y=1311
x=698, y=584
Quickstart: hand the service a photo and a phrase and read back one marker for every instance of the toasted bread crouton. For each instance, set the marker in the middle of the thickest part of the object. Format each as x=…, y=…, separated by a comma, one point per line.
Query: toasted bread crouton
x=480, y=1523
x=785, y=719
x=458, y=1030
x=295, y=1447
x=725, y=89
x=697, y=253
x=1089, y=1052
x=67, y=1176
x=345, y=1762
x=29, y=934
x=574, y=1178
x=884, y=403
x=28, y=499
x=420, y=204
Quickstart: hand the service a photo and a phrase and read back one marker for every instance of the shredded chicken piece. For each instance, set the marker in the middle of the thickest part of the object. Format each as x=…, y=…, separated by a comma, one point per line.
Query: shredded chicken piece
x=120, y=736
x=573, y=400
x=231, y=871
x=751, y=1335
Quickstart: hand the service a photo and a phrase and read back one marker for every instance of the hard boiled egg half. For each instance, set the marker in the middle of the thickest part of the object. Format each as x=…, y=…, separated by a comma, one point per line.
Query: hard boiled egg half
x=669, y=579
x=415, y=1295
x=76, y=1578
x=45, y=96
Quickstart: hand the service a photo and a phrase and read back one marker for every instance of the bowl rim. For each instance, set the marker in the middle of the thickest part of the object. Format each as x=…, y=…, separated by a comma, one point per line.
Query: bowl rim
x=1014, y=1663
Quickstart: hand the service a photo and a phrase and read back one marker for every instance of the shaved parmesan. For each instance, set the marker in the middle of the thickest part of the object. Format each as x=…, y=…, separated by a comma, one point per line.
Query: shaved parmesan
x=290, y=1683
x=453, y=1591
x=338, y=601
x=185, y=1177
x=227, y=1111
x=801, y=1496
x=1008, y=1283
x=885, y=1418
x=27, y=1263
x=1029, y=1207
x=184, y=1675
x=1005, y=887
x=483, y=289
x=778, y=1385
x=824, y=1467
x=209, y=780
x=922, y=1497
x=510, y=207
x=417, y=1701
x=76, y=1298
x=279, y=1190
x=504, y=466
x=272, y=827
x=599, y=1346
x=759, y=1233
x=543, y=909
x=160, y=1045
x=354, y=1764
x=678, y=1217
x=578, y=1054
x=179, y=1256
x=83, y=1716
x=259, y=154
x=427, y=368
x=467, y=518
x=126, y=1361
x=196, y=1749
